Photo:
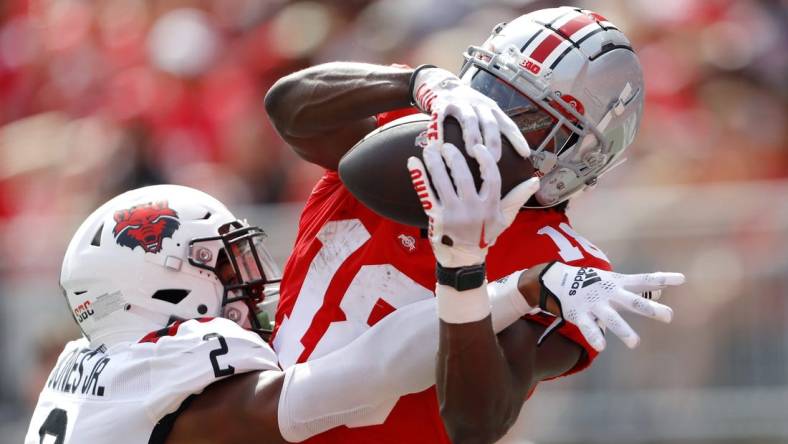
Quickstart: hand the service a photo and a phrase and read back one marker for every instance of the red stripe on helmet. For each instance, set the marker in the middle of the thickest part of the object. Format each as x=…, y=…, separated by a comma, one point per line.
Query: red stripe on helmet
x=545, y=48
x=576, y=24
x=549, y=44
x=598, y=17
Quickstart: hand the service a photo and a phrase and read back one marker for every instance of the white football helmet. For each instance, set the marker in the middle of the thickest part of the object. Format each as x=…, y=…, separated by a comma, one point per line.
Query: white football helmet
x=572, y=83
x=151, y=255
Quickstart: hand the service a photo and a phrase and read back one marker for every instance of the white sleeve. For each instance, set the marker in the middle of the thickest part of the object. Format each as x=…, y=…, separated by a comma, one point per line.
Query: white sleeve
x=506, y=302
x=391, y=359
x=196, y=354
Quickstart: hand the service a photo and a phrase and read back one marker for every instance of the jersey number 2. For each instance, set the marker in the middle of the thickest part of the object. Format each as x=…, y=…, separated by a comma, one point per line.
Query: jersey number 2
x=222, y=350
x=54, y=425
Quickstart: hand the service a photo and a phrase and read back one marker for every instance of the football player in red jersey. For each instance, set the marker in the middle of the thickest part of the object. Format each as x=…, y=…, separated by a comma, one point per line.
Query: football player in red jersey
x=572, y=85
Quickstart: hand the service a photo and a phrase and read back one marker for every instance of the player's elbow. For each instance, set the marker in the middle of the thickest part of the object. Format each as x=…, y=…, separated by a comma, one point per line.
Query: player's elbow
x=280, y=105
x=298, y=102
x=291, y=107
x=481, y=428
x=469, y=434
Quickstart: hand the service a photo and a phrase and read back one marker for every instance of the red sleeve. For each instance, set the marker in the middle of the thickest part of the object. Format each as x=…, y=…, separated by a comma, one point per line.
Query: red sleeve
x=572, y=333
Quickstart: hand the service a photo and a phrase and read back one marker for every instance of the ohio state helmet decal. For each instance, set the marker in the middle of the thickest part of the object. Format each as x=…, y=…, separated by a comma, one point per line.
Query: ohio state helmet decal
x=145, y=226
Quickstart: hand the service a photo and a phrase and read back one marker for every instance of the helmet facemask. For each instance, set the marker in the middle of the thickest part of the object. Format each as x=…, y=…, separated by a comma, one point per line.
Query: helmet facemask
x=246, y=270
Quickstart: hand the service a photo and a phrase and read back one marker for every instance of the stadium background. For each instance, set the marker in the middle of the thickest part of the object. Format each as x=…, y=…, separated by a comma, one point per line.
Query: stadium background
x=100, y=96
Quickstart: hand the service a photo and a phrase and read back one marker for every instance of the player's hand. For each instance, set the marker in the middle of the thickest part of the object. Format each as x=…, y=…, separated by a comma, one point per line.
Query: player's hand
x=463, y=223
x=590, y=299
x=440, y=93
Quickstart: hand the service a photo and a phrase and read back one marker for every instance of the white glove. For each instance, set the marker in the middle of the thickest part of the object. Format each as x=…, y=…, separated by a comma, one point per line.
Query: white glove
x=463, y=223
x=440, y=93
x=589, y=298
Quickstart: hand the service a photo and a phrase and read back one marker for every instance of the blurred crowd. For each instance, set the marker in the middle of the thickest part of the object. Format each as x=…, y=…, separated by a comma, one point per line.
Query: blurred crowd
x=100, y=96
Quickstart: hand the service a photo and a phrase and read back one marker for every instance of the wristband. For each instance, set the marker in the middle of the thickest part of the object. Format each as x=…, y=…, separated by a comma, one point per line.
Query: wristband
x=508, y=303
x=412, y=82
x=461, y=278
x=460, y=307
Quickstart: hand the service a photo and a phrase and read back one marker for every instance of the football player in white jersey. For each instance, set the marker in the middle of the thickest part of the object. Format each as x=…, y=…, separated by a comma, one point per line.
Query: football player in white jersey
x=165, y=284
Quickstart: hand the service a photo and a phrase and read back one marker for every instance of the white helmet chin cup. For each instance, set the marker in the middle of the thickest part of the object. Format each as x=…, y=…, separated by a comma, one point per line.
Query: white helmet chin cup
x=554, y=185
x=149, y=256
x=571, y=82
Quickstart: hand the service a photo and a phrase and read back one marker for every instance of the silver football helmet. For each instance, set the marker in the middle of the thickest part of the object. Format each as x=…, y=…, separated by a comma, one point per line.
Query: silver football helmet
x=571, y=82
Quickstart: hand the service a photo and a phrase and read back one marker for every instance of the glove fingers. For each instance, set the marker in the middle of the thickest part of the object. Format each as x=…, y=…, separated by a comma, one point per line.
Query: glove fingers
x=490, y=190
x=590, y=331
x=612, y=320
x=460, y=171
x=641, y=306
x=438, y=174
x=517, y=197
x=490, y=131
x=513, y=134
x=638, y=283
x=469, y=122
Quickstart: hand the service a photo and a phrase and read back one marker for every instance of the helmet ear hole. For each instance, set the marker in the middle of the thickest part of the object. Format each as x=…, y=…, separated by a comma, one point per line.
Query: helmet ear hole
x=173, y=296
x=96, y=241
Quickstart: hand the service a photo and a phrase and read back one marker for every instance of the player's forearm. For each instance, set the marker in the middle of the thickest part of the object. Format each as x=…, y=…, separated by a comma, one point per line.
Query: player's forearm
x=473, y=381
x=328, y=97
x=479, y=402
x=241, y=408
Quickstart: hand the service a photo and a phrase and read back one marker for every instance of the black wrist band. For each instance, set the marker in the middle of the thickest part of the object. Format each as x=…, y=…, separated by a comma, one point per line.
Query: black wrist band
x=412, y=82
x=462, y=278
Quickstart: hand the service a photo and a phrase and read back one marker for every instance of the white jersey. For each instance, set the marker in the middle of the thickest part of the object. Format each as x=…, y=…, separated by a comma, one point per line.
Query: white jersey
x=128, y=393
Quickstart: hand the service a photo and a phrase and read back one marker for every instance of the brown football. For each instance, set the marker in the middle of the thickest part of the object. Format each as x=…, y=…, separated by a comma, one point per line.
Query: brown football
x=375, y=170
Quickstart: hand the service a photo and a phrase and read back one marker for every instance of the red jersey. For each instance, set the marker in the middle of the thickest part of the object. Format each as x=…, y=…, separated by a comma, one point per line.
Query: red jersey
x=351, y=267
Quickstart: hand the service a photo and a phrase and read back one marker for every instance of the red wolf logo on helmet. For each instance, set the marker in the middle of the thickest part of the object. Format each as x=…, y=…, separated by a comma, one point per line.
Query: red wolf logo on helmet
x=145, y=225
